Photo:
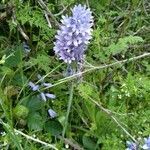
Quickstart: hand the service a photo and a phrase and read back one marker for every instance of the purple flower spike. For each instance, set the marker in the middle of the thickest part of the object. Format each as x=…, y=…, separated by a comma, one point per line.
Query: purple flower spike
x=52, y=113
x=147, y=143
x=74, y=34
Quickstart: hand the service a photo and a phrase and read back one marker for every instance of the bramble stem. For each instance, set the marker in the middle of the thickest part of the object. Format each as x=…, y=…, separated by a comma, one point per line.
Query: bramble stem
x=114, y=119
x=93, y=68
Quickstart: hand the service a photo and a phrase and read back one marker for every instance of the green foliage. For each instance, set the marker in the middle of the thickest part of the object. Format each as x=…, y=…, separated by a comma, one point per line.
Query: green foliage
x=122, y=45
x=20, y=111
x=32, y=16
x=15, y=58
x=34, y=104
x=53, y=127
x=41, y=61
x=121, y=31
x=36, y=118
x=88, y=143
x=116, y=143
x=35, y=121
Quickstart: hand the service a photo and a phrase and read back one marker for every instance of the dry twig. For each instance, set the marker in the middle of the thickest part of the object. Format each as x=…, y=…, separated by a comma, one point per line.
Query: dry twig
x=36, y=140
x=43, y=5
x=93, y=68
x=109, y=113
x=19, y=27
x=47, y=18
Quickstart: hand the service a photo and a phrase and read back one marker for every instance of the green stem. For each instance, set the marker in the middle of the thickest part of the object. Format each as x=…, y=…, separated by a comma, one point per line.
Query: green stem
x=68, y=109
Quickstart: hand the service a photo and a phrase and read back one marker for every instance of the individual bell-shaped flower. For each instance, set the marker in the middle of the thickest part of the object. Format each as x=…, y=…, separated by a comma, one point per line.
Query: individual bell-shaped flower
x=52, y=113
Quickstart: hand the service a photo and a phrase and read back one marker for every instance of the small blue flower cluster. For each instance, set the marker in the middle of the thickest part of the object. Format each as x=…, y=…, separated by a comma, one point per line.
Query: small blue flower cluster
x=135, y=146
x=44, y=96
x=74, y=34
x=26, y=48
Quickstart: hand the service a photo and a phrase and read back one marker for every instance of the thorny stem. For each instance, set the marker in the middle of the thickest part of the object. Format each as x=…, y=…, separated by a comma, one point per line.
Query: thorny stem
x=93, y=68
x=43, y=5
x=114, y=119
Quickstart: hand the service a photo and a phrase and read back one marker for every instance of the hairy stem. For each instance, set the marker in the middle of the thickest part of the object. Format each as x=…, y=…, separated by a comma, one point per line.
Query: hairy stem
x=93, y=68
x=69, y=108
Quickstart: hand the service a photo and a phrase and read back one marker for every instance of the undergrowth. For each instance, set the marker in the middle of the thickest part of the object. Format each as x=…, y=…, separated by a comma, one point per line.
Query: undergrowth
x=85, y=108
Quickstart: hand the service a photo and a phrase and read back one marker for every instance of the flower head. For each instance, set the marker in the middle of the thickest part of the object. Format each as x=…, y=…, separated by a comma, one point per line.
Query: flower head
x=74, y=34
x=44, y=96
x=147, y=143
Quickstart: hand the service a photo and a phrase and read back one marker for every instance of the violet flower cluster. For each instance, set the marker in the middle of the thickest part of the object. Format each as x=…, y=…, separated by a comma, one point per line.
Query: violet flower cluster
x=26, y=48
x=44, y=96
x=74, y=34
x=37, y=87
x=135, y=146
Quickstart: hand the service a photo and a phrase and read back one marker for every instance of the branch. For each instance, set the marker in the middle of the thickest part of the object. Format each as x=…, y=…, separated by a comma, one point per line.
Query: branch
x=47, y=18
x=19, y=27
x=93, y=68
x=43, y=5
x=36, y=140
x=87, y=3
x=30, y=137
x=109, y=113
x=61, y=12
